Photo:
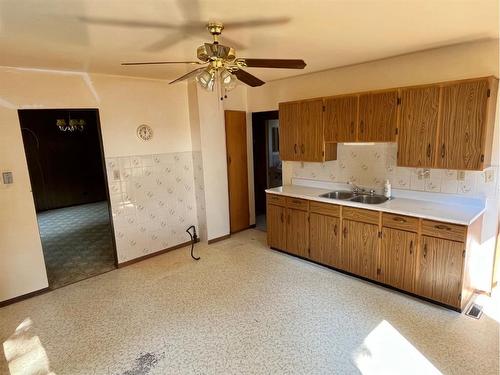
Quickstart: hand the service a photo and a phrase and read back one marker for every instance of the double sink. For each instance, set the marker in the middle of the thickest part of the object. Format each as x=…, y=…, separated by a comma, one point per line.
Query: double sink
x=353, y=196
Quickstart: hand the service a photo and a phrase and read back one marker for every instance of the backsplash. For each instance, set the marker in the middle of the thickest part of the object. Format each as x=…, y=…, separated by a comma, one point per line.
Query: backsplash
x=371, y=165
x=153, y=201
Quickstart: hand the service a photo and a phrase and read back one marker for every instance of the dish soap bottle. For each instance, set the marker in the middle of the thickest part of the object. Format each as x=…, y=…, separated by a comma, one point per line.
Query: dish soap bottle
x=387, y=189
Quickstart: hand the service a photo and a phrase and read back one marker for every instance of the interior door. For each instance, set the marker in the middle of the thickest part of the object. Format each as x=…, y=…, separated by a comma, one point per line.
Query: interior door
x=378, y=116
x=276, y=226
x=289, y=117
x=418, y=126
x=297, y=234
x=440, y=270
x=360, y=244
x=311, y=131
x=236, y=146
x=340, y=119
x=325, y=246
x=462, y=127
x=398, y=258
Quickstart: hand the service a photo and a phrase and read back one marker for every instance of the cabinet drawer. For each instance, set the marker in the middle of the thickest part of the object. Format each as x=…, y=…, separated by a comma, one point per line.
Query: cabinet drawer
x=400, y=222
x=358, y=214
x=278, y=200
x=447, y=231
x=299, y=204
x=325, y=208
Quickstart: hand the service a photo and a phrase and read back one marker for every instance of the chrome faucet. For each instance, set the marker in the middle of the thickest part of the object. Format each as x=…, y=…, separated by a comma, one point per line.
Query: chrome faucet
x=356, y=189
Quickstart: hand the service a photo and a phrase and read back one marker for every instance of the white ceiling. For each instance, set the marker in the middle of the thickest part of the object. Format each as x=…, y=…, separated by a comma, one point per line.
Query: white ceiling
x=51, y=34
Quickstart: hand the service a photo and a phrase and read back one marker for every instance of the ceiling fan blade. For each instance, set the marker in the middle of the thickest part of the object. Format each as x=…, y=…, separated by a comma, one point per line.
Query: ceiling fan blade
x=248, y=78
x=127, y=23
x=192, y=73
x=274, y=63
x=162, y=62
x=257, y=22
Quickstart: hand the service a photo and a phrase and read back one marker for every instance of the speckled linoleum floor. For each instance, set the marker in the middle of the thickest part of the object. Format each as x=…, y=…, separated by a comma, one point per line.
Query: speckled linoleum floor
x=241, y=309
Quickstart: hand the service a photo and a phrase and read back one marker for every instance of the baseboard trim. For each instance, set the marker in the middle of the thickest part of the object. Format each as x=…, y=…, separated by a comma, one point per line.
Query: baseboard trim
x=221, y=238
x=156, y=253
x=24, y=296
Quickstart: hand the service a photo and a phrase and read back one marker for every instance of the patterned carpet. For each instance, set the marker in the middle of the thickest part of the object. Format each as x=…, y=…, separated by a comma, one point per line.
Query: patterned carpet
x=76, y=242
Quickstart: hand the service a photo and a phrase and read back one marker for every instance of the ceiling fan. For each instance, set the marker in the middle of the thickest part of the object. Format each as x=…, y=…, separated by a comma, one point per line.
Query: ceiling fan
x=220, y=64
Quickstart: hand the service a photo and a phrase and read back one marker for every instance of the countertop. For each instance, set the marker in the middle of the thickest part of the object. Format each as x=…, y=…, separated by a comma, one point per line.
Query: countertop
x=451, y=211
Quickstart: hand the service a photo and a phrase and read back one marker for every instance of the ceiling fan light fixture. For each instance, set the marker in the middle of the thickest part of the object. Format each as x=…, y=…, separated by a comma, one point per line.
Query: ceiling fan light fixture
x=206, y=79
x=228, y=79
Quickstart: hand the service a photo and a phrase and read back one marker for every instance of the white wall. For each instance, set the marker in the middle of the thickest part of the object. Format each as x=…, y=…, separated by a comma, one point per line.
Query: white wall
x=123, y=104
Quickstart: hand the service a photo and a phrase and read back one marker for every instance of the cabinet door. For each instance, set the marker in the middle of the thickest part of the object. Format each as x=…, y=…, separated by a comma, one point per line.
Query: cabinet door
x=360, y=246
x=341, y=119
x=276, y=226
x=311, y=131
x=289, y=117
x=324, y=239
x=297, y=233
x=378, y=117
x=398, y=256
x=418, y=126
x=463, y=125
x=440, y=264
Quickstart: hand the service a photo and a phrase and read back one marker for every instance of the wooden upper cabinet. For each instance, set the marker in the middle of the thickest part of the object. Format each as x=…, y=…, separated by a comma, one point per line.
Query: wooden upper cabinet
x=340, y=118
x=463, y=125
x=310, y=134
x=418, y=126
x=289, y=118
x=378, y=115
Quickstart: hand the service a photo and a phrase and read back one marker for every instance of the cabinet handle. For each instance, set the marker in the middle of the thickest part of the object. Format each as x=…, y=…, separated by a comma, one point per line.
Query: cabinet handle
x=443, y=150
x=425, y=250
x=361, y=126
x=429, y=150
x=399, y=219
x=335, y=229
x=345, y=232
x=295, y=148
x=442, y=227
x=282, y=217
x=352, y=126
x=411, y=247
x=302, y=148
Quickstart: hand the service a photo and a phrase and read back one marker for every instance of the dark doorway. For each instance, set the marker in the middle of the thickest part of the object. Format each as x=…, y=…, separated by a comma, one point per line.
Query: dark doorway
x=266, y=160
x=66, y=166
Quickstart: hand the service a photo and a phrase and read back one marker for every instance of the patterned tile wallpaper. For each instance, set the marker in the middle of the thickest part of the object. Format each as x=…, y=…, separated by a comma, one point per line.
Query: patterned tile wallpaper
x=153, y=200
x=371, y=165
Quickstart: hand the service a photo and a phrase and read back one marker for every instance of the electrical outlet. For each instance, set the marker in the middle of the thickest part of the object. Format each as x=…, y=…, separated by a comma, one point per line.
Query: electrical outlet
x=461, y=175
x=489, y=175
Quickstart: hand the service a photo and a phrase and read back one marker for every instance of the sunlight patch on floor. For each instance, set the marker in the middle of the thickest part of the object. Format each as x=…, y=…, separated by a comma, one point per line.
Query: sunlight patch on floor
x=386, y=351
x=24, y=352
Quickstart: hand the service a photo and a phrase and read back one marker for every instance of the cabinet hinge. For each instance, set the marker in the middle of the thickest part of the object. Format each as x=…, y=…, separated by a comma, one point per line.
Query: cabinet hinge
x=324, y=108
x=482, y=157
x=379, y=234
x=322, y=153
x=488, y=93
x=397, y=131
x=399, y=101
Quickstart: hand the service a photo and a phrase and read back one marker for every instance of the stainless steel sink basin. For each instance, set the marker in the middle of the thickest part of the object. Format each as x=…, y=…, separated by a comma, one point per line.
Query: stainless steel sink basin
x=339, y=194
x=347, y=195
x=369, y=199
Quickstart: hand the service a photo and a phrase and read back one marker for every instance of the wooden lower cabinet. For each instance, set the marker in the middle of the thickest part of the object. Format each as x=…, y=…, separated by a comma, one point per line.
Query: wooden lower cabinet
x=398, y=255
x=324, y=239
x=440, y=265
x=360, y=248
x=276, y=226
x=297, y=232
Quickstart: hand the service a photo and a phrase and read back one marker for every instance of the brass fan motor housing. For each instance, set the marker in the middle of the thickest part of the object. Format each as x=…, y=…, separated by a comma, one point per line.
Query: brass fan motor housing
x=212, y=51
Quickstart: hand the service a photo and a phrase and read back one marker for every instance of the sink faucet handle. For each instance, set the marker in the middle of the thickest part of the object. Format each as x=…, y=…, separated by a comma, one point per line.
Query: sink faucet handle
x=372, y=192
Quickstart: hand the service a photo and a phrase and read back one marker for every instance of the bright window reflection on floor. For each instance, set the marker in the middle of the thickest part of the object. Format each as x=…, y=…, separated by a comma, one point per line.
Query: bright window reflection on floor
x=386, y=351
x=24, y=352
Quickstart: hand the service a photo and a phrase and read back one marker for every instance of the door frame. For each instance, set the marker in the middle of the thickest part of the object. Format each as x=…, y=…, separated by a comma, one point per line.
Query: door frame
x=103, y=164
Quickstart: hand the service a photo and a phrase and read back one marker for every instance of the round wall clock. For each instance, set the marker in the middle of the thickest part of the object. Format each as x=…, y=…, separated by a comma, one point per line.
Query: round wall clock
x=144, y=132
